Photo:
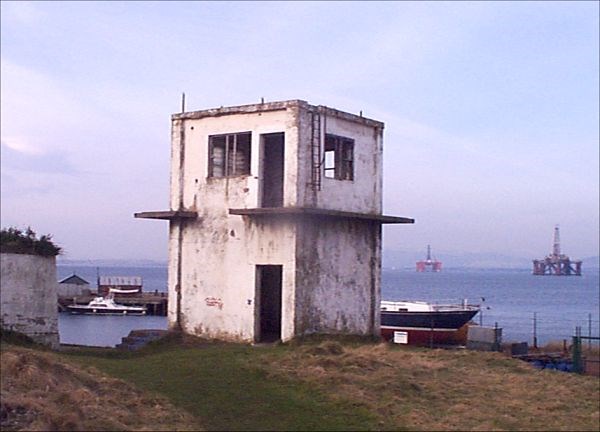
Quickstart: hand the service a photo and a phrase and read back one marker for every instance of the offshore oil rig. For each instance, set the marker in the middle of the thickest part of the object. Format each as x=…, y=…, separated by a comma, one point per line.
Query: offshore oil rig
x=431, y=264
x=556, y=264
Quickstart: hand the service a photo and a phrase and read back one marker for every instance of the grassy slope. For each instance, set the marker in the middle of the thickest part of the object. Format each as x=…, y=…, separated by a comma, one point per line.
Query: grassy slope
x=224, y=386
x=319, y=385
x=41, y=391
x=350, y=386
x=447, y=390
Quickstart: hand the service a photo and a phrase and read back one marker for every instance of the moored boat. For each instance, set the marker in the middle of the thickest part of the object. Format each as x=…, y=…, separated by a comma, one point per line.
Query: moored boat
x=422, y=323
x=106, y=306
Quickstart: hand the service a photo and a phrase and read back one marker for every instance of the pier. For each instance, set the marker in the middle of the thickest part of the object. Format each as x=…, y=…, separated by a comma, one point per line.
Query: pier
x=156, y=303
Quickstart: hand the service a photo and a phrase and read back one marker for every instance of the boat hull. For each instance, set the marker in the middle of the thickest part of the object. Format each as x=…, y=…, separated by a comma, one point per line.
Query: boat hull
x=427, y=328
x=85, y=310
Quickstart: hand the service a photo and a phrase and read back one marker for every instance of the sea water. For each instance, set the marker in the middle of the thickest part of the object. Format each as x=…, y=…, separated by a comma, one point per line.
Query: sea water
x=510, y=298
x=514, y=299
x=107, y=331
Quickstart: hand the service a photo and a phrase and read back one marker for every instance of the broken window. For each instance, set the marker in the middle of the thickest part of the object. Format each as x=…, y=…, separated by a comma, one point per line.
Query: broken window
x=229, y=155
x=339, y=157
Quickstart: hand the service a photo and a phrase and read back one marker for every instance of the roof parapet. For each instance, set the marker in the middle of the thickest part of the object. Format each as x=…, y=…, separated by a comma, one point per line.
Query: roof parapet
x=275, y=106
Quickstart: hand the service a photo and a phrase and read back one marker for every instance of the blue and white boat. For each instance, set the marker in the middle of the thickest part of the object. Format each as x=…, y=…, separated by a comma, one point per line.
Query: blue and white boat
x=422, y=323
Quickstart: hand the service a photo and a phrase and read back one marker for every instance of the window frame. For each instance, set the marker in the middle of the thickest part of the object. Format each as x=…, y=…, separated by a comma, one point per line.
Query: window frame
x=343, y=157
x=231, y=148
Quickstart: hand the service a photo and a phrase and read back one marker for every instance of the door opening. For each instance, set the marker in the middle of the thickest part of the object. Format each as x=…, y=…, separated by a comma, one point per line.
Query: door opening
x=269, y=295
x=272, y=170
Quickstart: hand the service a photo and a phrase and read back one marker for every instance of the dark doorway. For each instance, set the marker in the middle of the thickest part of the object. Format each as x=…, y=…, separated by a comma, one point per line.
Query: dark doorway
x=272, y=170
x=269, y=294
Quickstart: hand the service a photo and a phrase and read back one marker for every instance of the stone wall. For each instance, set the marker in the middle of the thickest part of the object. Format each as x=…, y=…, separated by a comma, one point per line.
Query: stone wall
x=28, y=296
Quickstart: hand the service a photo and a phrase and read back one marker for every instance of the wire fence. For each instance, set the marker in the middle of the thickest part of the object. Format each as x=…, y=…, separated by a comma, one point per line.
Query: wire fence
x=589, y=327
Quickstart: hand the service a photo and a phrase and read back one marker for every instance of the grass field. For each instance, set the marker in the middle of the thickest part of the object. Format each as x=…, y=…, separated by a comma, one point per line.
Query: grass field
x=42, y=392
x=349, y=385
x=227, y=387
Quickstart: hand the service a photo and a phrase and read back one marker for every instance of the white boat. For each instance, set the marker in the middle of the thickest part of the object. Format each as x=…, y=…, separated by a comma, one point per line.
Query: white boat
x=106, y=306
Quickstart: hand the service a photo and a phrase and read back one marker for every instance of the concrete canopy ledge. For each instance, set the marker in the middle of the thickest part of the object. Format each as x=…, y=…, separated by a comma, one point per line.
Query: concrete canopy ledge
x=308, y=211
x=166, y=214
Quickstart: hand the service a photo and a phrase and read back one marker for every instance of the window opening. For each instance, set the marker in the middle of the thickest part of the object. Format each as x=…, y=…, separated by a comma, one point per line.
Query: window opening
x=229, y=155
x=339, y=157
x=272, y=169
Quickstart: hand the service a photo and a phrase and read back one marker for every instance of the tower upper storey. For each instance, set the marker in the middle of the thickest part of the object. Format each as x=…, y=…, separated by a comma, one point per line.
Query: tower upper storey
x=287, y=154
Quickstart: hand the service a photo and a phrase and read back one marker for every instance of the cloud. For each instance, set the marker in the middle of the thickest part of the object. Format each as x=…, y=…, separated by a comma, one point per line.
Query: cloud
x=42, y=114
x=21, y=12
x=90, y=86
x=14, y=158
x=20, y=144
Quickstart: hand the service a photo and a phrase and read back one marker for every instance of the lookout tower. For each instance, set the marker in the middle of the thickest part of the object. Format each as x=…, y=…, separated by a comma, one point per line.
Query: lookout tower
x=275, y=222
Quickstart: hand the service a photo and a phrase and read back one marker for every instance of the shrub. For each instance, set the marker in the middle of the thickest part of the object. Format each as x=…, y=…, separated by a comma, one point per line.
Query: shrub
x=13, y=240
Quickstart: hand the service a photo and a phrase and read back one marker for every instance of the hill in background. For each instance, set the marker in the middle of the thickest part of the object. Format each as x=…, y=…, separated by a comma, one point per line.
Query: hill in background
x=391, y=259
x=407, y=259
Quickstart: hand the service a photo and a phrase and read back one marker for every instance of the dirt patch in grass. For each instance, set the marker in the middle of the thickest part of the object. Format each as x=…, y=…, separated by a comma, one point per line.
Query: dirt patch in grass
x=40, y=391
x=422, y=389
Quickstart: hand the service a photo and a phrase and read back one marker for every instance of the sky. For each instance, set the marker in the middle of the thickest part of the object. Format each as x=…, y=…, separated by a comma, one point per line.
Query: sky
x=491, y=112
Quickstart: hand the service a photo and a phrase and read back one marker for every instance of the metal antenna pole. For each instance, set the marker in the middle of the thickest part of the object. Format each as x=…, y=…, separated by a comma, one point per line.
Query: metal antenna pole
x=481, y=313
x=182, y=102
x=535, y=330
x=590, y=332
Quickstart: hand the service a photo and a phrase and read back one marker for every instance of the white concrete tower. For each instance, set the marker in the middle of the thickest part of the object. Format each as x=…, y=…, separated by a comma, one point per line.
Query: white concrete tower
x=275, y=222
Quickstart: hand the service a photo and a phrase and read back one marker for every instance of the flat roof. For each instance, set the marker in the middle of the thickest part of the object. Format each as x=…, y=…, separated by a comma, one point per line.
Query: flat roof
x=309, y=211
x=275, y=106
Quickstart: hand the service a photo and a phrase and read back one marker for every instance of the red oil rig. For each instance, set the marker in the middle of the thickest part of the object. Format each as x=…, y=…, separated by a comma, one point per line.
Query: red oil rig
x=431, y=264
x=557, y=264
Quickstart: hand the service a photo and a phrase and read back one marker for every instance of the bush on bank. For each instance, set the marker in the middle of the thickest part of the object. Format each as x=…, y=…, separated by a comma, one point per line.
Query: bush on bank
x=13, y=240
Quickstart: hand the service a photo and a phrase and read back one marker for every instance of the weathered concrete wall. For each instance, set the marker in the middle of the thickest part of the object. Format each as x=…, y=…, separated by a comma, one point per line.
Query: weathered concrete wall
x=28, y=296
x=331, y=267
x=241, y=191
x=272, y=241
x=338, y=277
x=220, y=252
x=363, y=193
x=219, y=275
